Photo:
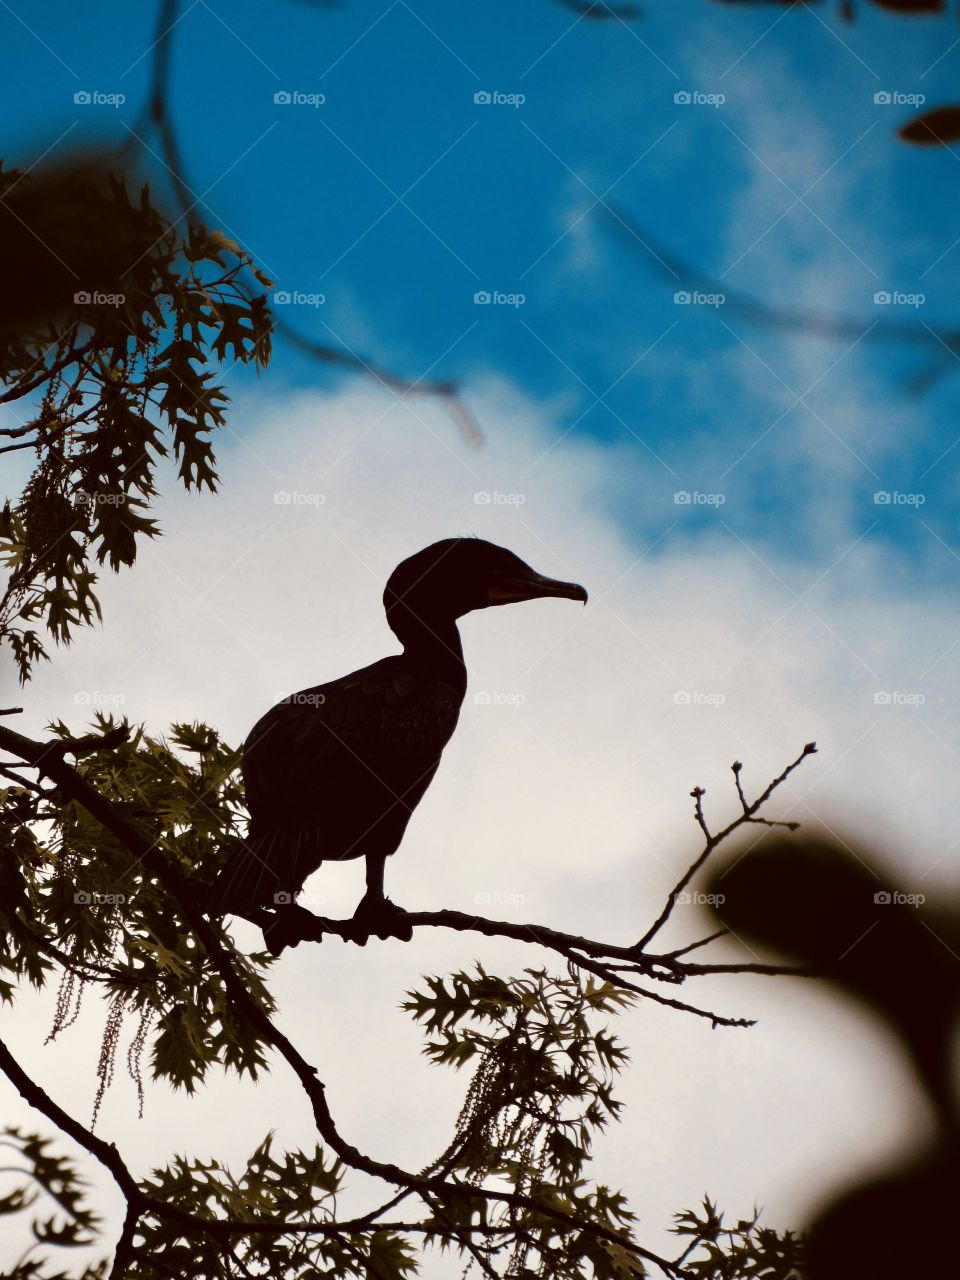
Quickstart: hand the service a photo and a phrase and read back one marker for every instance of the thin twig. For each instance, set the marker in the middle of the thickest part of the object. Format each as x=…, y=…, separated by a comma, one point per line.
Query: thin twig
x=716, y=1019
x=692, y=946
x=712, y=841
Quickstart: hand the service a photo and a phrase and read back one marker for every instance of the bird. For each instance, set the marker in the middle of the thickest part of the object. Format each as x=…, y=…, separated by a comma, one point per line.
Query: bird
x=334, y=772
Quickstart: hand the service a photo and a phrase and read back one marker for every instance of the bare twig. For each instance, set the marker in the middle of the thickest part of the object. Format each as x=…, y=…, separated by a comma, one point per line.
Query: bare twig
x=155, y=112
x=712, y=841
x=822, y=324
x=616, y=979
x=692, y=946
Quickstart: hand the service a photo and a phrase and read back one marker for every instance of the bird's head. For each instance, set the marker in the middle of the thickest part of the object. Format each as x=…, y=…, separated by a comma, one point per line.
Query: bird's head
x=453, y=577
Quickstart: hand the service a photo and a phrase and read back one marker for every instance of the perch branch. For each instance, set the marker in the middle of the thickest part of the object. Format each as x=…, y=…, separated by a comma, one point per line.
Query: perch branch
x=73, y=785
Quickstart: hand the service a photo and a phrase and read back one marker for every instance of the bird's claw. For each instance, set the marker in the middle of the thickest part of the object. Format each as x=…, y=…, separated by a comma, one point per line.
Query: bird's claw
x=381, y=918
x=292, y=923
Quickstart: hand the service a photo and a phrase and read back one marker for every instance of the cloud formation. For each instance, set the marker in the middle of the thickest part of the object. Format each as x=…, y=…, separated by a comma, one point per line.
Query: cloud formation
x=563, y=797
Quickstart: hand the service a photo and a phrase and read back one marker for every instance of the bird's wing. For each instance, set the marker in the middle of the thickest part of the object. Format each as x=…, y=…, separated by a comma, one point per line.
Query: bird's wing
x=374, y=731
x=334, y=772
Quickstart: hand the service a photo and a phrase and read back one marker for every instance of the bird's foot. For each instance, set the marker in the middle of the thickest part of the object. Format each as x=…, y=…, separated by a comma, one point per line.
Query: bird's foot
x=379, y=916
x=291, y=924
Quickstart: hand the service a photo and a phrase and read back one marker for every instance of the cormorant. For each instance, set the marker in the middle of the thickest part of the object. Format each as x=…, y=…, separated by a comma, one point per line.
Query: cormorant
x=335, y=772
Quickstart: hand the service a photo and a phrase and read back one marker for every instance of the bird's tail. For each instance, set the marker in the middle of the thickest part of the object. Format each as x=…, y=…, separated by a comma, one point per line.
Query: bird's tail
x=264, y=871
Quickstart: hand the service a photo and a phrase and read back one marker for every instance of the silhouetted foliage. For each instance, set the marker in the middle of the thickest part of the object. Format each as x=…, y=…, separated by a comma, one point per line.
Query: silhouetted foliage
x=829, y=905
x=117, y=315
x=100, y=861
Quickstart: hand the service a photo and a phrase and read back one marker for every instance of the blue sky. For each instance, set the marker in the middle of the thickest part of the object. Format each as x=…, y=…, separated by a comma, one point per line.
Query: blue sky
x=400, y=198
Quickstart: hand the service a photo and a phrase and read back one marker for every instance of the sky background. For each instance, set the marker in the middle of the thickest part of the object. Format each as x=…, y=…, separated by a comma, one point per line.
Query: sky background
x=778, y=612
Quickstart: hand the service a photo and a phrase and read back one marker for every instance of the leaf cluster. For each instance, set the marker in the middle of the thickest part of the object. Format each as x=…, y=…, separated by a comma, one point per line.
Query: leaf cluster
x=54, y=1191
x=542, y=1087
x=744, y=1251
x=115, y=315
x=77, y=901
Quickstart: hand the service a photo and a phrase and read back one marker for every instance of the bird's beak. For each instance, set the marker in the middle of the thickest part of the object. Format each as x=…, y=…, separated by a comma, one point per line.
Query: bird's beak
x=528, y=585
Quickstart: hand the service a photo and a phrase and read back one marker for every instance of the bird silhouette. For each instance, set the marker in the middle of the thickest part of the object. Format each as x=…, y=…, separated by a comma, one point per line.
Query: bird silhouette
x=335, y=772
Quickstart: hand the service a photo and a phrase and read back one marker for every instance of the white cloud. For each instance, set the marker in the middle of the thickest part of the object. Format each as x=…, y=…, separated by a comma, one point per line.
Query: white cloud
x=575, y=800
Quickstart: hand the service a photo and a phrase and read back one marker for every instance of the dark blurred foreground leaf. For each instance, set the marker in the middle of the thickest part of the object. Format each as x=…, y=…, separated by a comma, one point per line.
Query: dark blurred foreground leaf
x=832, y=908
x=933, y=128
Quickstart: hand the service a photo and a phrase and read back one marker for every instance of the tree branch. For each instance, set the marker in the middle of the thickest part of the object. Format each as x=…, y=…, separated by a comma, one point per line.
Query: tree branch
x=155, y=112
x=712, y=841
x=74, y=786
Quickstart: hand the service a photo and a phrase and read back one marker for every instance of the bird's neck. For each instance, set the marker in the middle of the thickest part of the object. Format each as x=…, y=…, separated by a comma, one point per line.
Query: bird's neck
x=435, y=644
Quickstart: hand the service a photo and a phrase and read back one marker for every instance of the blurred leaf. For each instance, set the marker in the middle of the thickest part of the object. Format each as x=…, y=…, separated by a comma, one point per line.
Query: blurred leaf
x=933, y=128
